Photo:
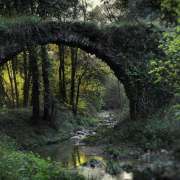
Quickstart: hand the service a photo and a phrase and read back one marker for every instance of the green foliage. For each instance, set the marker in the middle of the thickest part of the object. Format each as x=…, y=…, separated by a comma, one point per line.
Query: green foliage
x=116, y=153
x=38, y=7
x=176, y=112
x=19, y=20
x=148, y=10
x=114, y=167
x=19, y=166
x=157, y=132
x=115, y=96
x=92, y=73
x=86, y=121
x=166, y=71
x=7, y=143
x=16, y=165
x=16, y=124
x=117, y=167
x=170, y=9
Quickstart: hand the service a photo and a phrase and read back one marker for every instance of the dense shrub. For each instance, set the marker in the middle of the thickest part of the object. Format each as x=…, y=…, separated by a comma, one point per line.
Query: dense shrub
x=162, y=130
x=17, y=165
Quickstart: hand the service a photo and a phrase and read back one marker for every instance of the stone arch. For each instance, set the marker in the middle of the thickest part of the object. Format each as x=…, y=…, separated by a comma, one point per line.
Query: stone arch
x=124, y=49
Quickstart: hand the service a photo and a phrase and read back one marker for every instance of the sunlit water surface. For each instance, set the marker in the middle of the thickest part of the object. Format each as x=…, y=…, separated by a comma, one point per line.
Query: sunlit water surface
x=71, y=156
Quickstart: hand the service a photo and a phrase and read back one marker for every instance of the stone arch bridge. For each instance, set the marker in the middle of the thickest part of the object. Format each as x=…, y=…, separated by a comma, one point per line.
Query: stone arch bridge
x=126, y=50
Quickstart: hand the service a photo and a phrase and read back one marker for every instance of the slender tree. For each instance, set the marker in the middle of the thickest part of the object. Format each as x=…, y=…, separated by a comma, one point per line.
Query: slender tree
x=11, y=84
x=14, y=71
x=73, y=76
x=27, y=79
x=62, y=78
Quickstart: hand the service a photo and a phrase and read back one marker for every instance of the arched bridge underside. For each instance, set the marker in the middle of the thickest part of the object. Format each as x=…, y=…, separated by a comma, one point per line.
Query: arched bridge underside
x=126, y=49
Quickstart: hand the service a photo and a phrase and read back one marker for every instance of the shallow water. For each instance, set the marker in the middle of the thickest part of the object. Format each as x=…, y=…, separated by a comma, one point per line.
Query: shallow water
x=70, y=155
x=73, y=157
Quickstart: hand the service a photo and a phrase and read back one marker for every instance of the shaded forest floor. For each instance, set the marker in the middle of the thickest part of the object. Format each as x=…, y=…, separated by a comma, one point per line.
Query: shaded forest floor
x=16, y=124
x=156, y=141
x=18, y=137
x=161, y=131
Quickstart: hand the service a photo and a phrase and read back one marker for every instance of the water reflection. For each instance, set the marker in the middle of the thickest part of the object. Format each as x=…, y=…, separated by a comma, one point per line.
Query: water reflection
x=69, y=155
x=75, y=156
x=78, y=158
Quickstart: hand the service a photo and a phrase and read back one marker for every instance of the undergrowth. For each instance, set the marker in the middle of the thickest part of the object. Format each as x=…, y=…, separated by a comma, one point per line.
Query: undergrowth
x=162, y=130
x=16, y=123
x=18, y=165
x=17, y=133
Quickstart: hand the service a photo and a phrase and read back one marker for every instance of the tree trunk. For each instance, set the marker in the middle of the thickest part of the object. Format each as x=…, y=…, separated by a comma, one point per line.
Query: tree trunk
x=14, y=69
x=46, y=82
x=11, y=83
x=62, y=78
x=4, y=96
x=75, y=107
x=84, y=9
x=145, y=99
x=2, y=90
x=35, y=85
x=73, y=75
x=27, y=79
x=119, y=93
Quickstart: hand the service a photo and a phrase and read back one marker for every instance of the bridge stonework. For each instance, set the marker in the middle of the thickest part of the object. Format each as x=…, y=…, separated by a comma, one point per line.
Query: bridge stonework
x=126, y=50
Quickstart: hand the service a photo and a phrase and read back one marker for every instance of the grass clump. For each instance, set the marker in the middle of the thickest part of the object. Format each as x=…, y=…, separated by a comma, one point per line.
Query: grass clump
x=117, y=153
x=114, y=167
x=117, y=167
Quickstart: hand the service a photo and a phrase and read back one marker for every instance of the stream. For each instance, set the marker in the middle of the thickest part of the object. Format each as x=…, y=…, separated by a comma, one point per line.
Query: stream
x=90, y=161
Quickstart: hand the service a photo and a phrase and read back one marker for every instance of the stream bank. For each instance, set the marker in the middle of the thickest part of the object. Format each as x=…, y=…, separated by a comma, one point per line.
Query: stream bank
x=110, y=162
x=103, y=157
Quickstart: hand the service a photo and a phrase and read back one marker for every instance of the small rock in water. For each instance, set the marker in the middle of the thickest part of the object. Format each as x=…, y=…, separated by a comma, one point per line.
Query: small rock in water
x=93, y=133
x=164, y=151
x=94, y=163
x=81, y=133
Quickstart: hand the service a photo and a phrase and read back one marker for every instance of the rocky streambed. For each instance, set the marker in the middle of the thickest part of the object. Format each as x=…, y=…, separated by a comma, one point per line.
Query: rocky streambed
x=128, y=164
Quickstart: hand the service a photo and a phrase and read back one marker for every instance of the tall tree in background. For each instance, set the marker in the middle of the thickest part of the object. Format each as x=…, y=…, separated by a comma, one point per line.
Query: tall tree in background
x=27, y=79
x=62, y=77
x=149, y=10
x=46, y=83
x=14, y=71
x=35, y=84
x=3, y=94
x=8, y=67
x=74, y=57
